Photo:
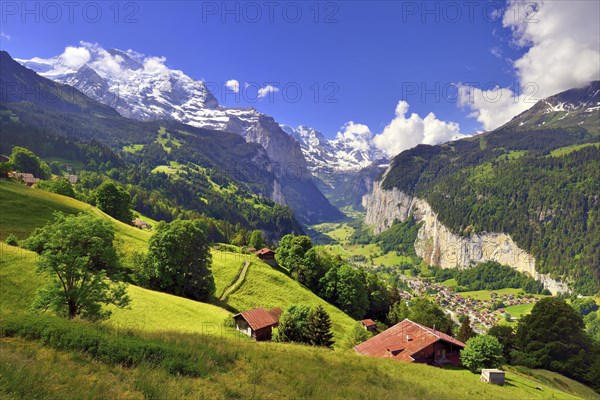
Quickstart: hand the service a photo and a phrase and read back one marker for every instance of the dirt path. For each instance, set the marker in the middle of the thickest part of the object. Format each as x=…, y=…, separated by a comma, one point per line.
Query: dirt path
x=238, y=281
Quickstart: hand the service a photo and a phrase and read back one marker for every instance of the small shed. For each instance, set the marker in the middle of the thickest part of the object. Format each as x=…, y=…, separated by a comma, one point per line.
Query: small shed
x=140, y=223
x=494, y=376
x=258, y=323
x=266, y=254
x=369, y=325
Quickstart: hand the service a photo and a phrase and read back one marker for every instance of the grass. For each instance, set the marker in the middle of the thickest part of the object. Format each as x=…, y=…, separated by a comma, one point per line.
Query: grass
x=486, y=294
x=225, y=268
x=519, y=309
x=268, y=287
x=133, y=148
x=257, y=371
x=254, y=370
x=450, y=283
x=77, y=165
x=391, y=258
x=569, y=149
x=40, y=205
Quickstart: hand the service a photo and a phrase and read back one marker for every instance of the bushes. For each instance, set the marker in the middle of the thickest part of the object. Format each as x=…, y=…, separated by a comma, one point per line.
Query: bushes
x=104, y=345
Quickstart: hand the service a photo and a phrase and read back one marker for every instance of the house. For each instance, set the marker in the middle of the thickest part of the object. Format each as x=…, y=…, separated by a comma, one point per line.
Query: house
x=4, y=158
x=369, y=325
x=258, y=323
x=266, y=254
x=411, y=342
x=26, y=178
x=140, y=223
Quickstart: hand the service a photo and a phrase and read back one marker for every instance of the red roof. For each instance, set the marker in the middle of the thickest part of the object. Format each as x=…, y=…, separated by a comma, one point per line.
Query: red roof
x=403, y=340
x=264, y=250
x=368, y=322
x=259, y=318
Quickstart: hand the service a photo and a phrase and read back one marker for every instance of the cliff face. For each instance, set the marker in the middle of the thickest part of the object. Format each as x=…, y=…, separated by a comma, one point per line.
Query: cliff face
x=437, y=245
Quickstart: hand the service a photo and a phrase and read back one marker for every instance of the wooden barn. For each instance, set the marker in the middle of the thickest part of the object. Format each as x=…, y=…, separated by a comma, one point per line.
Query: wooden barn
x=411, y=342
x=258, y=323
x=266, y=254
x=369, y=325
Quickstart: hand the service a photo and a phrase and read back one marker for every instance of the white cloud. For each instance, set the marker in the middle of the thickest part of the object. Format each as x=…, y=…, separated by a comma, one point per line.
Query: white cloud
x=496, y=52
x=264, y=91
x=403, y=133
x=74, y=57
x=233, y=85
x=562, y=38
x=358, y=135
x=155, y=65
x=4, y=36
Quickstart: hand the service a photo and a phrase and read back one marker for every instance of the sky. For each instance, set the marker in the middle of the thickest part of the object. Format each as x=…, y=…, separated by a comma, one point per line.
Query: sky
x=406, y=72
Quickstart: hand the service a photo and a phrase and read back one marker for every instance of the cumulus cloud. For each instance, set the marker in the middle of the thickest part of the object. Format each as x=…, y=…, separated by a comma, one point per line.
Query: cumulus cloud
x=404, y=132
x=4, y=36
x=561, y=39
x=75, y=57
x=264, y=91
x=358, y=134
x=233, y=85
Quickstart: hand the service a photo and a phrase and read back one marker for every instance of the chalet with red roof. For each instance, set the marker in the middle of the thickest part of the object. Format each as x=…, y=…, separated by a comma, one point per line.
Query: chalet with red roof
x=266, y=254
x=369, y=325
x=258, y=323
x=411, y=342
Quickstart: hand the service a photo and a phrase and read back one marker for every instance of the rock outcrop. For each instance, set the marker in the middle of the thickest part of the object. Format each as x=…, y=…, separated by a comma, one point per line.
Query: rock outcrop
x=437, y=245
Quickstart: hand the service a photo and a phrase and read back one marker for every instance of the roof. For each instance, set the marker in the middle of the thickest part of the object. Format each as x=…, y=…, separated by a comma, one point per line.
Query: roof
x=403, y=340
x=368, y=322
x=264, y=250
x=259, y=318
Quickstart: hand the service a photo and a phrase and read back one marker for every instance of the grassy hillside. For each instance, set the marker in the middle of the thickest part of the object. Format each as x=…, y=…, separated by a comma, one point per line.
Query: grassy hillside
x=25, y=208
x=266, y=286
x=246, y=369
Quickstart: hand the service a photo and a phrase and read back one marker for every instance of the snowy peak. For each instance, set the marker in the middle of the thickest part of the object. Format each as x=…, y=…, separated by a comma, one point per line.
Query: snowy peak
x=350, y=151
x=136, y=86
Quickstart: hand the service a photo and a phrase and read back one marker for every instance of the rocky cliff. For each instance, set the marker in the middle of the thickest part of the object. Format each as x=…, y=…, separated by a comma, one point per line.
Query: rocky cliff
x=437, y=245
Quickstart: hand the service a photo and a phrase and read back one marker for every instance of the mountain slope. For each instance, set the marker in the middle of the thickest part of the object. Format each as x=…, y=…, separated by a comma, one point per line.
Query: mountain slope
x=218, y=173
x=143, y=88
x=507, y=182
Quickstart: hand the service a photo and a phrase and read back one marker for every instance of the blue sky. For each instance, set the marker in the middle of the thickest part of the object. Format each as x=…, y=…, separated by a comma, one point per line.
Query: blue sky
x=353, y=60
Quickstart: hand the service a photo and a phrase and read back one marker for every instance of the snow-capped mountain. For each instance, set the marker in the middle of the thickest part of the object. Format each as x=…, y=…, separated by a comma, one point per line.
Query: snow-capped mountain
x=144, y=88
x=348, y=152
x=574, y=107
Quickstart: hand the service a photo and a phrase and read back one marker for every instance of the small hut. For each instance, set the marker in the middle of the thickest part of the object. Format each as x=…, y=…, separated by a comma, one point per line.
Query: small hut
x=494, y=376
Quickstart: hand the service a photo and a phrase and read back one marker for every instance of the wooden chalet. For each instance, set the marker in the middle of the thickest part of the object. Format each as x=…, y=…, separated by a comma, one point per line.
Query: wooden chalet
x=258, y=323
x=266, y=254
x=140, y=223
x=369, y=325
x=24, y=177
x=411, y=342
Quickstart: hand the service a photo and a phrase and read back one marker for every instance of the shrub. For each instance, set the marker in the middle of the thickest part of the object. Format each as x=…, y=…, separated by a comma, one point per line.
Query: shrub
x=483, y=351
x=12, y=240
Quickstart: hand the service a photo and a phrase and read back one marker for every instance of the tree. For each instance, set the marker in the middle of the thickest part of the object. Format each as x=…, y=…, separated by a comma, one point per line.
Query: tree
x=24, y=160
x=293, y=325
x=592, y=324
x=552, y=336
x=77, y=251
x=178, y=261
x=60, y=186
x=481, y=352
x=506, y=336
x=426, y=312
x=355, y=336
x=115, y=201
x=584, y=305
x=344, y=287
x=398, y=312
x=256, y=239
x=465, y=332
x=291, y=250
x=319, y=328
